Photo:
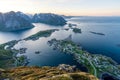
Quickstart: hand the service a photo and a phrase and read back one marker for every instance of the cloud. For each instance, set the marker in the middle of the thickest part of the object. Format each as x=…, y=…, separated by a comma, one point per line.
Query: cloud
x=62, y=1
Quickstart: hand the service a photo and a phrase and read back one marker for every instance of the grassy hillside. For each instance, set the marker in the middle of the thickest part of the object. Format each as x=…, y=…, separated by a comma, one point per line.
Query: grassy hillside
x=43, y=73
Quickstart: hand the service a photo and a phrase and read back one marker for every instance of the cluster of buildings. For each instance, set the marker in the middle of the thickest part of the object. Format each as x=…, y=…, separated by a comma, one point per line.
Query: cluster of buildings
x=99, y=63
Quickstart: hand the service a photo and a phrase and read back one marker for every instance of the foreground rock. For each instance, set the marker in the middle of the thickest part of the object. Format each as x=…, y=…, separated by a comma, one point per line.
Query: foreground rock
x=44, y=73
x=49, y=18
x=13, y=21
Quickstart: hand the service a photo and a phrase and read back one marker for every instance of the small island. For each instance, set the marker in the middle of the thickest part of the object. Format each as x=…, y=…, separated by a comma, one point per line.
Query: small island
x=97, y=33
x=22, y=50
x=37, y=52
x=76, y=30
x=66, y=29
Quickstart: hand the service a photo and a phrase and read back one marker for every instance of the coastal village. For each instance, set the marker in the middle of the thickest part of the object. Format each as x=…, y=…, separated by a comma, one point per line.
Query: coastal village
x=96, y=64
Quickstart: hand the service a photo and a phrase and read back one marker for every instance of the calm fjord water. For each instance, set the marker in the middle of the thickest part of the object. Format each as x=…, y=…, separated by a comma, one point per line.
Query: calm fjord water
x=96, y=44
x=106, y=45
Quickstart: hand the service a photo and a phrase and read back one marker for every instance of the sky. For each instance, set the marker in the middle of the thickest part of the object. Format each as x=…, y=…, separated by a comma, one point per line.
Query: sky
x=65, y=7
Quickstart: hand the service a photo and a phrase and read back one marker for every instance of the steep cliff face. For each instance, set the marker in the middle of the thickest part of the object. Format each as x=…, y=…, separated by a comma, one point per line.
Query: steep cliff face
x=25, y=16
x=13, y=21
x=49, y=18
x=1, y=21
x=63, y=72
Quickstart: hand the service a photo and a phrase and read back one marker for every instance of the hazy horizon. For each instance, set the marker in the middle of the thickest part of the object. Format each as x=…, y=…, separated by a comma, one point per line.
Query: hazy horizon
x=64, y=7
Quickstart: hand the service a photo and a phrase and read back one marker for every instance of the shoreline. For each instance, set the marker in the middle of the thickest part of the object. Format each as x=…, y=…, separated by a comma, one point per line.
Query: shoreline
x=95, y=63
x=92, y=60
x=109, y=75
x=21, y=60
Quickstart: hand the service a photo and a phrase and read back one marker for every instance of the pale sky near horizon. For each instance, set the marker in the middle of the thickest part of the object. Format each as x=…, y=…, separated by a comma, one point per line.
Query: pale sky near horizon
x=66, y=7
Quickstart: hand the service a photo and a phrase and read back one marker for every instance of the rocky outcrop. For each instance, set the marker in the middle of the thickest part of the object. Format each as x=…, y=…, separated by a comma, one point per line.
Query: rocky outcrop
x=49, y=18
x=13, y=21
x=44, y=73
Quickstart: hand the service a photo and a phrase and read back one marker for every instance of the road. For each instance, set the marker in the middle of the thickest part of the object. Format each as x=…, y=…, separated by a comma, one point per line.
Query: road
x=95, y=71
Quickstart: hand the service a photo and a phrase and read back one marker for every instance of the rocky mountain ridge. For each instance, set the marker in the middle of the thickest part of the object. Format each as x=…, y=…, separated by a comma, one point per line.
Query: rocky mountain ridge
x=49, y=18
x=12, y=21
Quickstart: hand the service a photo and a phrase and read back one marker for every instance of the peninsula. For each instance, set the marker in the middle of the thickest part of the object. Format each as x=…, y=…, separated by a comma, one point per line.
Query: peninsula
x=8, y=55
x=96, y=64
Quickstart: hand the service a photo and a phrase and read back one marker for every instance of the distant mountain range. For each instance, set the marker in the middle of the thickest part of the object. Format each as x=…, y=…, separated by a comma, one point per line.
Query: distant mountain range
x=12, y=21
x=49, y=18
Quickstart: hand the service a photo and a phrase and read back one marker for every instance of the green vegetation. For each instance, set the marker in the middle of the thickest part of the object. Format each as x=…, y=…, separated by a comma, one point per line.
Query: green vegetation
x=8, y=55
x=5, y=54
x=44, y=73
x=6, y=58
x=2, y=46
x=21, y=60
x=45, y=33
